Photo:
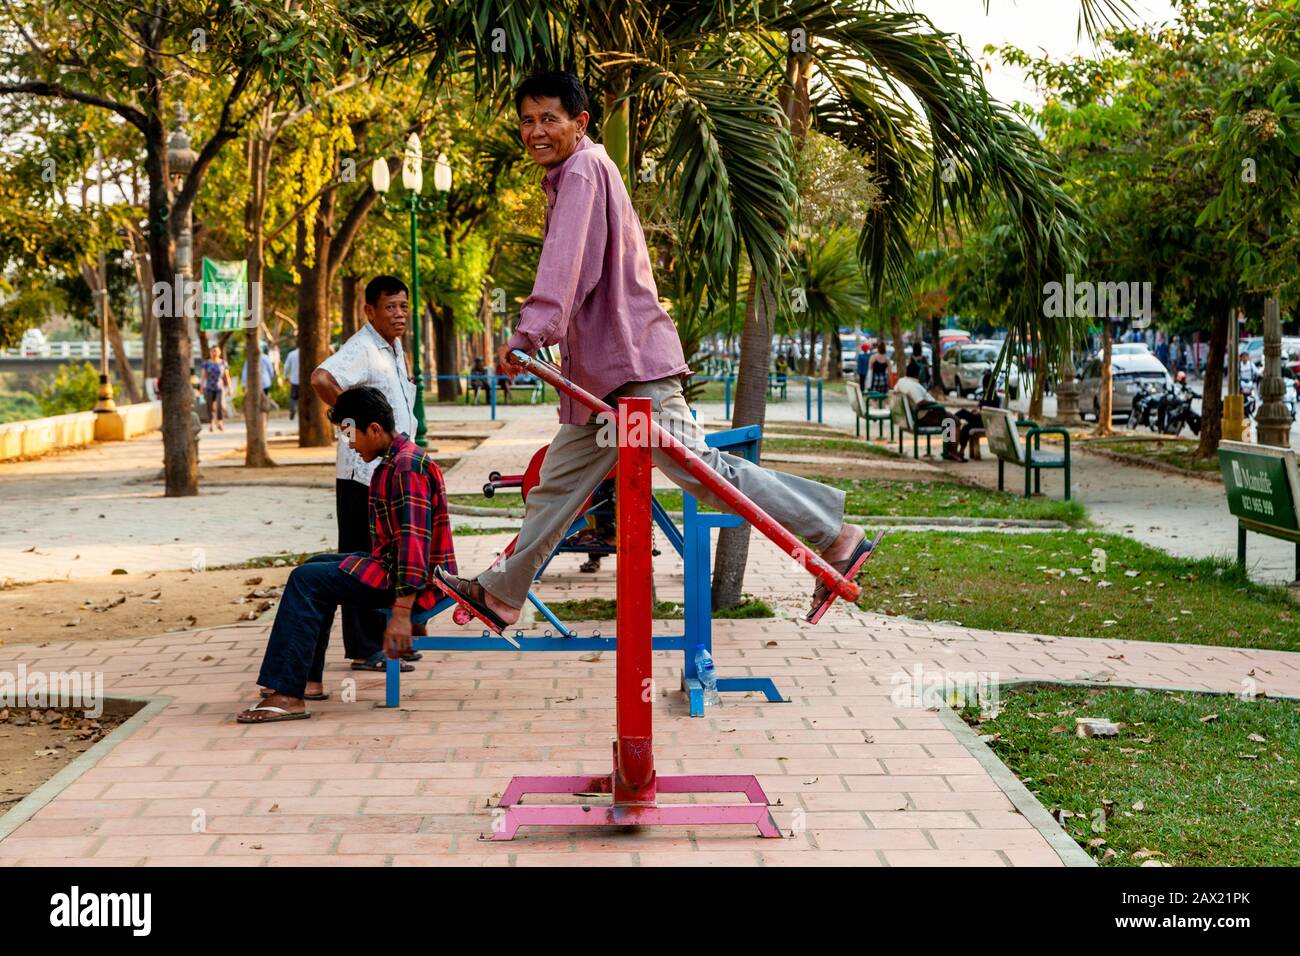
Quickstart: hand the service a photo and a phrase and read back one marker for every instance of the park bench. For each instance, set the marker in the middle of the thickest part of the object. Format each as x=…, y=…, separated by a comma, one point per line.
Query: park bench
x=1263, y=493
x=777, y=384
x=903, y=417
x=1002, y=431
x=860, y=402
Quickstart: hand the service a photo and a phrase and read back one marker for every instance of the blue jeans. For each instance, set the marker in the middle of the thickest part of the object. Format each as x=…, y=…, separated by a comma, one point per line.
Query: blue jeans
x=300, y=635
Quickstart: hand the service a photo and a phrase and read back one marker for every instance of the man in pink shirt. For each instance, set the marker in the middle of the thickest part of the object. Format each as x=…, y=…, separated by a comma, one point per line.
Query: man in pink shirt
x=595, y=297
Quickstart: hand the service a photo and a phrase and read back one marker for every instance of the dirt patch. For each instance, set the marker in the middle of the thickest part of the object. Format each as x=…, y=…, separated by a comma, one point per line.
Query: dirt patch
x=859, y=467
x=134, y=605
x=36, y=744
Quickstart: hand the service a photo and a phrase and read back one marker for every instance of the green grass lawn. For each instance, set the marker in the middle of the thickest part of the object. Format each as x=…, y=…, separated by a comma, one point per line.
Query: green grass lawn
x=1053, y=583
x=604, y=609
x=869, y=496
x=1175, y=452
x=1189, y=788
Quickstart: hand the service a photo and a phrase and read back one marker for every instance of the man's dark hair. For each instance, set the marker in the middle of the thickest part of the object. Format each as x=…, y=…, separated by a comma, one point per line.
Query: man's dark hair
x=916, y=349
x=363, y=406
x=913, y=370
x=383, y=285
x=560, y=83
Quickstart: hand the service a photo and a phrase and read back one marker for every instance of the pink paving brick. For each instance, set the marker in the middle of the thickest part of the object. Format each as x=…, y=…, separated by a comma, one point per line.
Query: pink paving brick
x=864, y=782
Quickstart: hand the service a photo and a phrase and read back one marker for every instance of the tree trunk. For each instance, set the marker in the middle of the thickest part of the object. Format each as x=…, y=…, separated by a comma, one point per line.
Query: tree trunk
x=750, y=409
x=445, y=354
x=1036, y=396
x=256, y=454
x=755, y=353
x=900, y=359
x=148, y=321
x=314, y=430
x=1211, y=393
x=350, y=305
x=121, y=363
x=180, y=424
x=936, y=380
x=1105, y=401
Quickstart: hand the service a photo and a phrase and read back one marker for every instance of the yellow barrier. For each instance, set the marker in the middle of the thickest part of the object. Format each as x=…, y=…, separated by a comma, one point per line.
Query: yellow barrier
x=40, y=436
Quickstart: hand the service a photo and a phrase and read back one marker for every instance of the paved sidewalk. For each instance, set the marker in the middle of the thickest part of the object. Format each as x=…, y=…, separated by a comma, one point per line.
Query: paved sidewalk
x=862, y=780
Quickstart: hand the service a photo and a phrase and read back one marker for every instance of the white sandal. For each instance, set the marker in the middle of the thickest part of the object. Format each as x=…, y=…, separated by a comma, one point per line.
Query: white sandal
x=270, y=709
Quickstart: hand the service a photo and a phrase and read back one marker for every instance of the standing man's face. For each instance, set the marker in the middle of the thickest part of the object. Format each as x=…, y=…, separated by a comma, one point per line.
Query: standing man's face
x=549, y=133
x=389, y=314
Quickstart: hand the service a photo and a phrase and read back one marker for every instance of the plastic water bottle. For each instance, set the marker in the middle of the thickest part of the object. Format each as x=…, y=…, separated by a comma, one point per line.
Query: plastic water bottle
x=708, y=676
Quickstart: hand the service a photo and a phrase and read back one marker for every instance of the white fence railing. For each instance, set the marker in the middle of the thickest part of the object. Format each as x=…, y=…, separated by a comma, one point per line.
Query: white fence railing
x=74, y=351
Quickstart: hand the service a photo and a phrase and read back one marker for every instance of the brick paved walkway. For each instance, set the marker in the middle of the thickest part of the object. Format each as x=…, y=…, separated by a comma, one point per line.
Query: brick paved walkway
x=865, y=782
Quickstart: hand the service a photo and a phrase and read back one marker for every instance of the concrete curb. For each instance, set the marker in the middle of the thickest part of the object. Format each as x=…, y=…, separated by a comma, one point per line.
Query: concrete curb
x=1026, y=803
x=1137, y=462
x=26, y=808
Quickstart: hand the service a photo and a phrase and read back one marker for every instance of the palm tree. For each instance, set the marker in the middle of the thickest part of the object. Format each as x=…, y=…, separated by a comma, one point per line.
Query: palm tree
x=722, y=93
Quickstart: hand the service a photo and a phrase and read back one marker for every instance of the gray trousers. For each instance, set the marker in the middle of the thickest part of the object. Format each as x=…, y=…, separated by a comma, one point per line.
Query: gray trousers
x=577, y=461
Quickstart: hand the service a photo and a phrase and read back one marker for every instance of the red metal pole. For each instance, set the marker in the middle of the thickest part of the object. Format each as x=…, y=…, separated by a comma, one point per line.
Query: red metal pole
x=756, y=516
x=634, y=761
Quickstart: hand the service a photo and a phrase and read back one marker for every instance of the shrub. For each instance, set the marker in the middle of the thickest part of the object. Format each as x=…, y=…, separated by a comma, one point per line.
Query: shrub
x=75, y=389
x=18, y=406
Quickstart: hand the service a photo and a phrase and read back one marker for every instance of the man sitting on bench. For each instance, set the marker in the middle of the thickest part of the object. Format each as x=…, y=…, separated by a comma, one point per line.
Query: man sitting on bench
x=410, y=535
x=927, y=412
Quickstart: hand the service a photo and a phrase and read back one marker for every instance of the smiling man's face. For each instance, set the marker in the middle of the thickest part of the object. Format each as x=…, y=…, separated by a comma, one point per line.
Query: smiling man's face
x=550, y=134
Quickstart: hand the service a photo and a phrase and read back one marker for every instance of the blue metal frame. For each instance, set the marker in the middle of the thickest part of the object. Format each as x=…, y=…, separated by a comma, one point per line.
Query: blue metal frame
x=694, y=546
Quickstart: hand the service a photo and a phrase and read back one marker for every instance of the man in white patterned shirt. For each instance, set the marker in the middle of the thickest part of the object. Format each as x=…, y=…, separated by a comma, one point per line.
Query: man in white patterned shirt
x=374, y=357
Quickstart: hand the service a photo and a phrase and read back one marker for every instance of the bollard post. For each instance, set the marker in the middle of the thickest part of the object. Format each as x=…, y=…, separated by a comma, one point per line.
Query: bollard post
x=726, y=388
x=819, y=402
x=807, y=398
x=634, y=766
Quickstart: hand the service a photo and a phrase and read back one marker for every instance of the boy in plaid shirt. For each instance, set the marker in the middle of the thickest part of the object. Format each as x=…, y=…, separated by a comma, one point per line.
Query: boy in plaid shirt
x=410, y=535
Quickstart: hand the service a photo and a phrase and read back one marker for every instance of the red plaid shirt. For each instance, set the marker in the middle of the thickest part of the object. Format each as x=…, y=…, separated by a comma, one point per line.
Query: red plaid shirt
x=410, y=533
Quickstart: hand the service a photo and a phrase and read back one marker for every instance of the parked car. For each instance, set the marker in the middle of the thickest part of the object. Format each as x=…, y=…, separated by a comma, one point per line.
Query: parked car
x=1129, y=371
x=963, y=367
x=949, y=337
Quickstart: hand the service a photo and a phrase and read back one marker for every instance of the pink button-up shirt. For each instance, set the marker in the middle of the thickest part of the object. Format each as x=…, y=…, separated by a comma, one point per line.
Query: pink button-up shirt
x=594, y=293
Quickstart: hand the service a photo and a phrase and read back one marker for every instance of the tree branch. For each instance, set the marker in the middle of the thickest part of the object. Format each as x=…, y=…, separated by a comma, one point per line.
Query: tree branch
x=45, y=88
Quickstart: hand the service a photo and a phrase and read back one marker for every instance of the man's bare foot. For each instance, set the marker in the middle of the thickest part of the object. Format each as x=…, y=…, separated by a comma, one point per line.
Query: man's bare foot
x=273, y=708
x=844, y=544
x=501, y=609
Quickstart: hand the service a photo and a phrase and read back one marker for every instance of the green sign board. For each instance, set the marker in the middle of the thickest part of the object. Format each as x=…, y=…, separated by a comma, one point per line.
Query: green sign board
x=1261, y=484
x=225, y=295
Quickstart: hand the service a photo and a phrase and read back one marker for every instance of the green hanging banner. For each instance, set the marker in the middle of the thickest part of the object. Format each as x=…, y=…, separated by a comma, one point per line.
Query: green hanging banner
x=225, y=295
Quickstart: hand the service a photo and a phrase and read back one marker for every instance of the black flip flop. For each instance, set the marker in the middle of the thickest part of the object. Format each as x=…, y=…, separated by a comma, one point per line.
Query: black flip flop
x=861, y=554
x=479, y=610
x=378, y=663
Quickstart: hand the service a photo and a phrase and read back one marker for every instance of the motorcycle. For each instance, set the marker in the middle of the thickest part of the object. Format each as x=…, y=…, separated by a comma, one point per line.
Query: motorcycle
x=1144, y=403
x=1177, y=412
x=1251, y=403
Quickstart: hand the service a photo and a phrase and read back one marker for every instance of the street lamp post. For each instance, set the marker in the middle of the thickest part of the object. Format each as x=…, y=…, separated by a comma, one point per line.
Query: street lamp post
x=1273, y=421
x=413, y=181
x=180, y=160
x=105, y=401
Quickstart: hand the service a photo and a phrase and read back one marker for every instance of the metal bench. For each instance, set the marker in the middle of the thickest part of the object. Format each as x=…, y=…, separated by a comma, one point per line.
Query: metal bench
x=1002, y=431
x=903, y=417
x=863, y=412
